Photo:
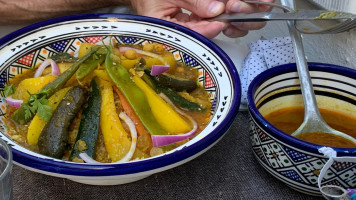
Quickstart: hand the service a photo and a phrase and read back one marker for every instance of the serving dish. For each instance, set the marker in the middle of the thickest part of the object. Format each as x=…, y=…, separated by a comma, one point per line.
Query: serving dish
x=293, y=161
x=25, y=48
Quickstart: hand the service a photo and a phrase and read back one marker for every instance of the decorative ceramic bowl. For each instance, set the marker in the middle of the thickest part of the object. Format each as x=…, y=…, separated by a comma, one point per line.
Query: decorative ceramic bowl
x=27, y=47
x=294, y=161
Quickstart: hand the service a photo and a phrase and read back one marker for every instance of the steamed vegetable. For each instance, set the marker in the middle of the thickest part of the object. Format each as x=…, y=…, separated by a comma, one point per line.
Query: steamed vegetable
x=63, y=57
x=134, y=95
x=163, y=140
x=31, y=86
x=177, y=84
x=44, y=64
x=115, y=137
x=49, y=89
x=165, y=115
x=54, y=136
x=130, y=112
x=37, y=124
x=172, y=95
x=13, y=102
x=88, y=159
x=89, y=125
x=145, y=139
x=89, y=65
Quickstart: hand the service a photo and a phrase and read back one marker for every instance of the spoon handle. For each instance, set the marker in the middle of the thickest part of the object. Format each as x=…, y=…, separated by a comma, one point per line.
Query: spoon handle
x=310, y=104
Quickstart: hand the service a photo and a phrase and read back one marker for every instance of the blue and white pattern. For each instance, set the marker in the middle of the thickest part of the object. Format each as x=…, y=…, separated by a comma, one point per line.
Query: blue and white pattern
x=293, y=161
x=27, y=47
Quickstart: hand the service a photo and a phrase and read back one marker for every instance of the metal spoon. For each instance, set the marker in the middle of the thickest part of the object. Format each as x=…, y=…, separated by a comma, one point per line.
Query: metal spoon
x=313, y=122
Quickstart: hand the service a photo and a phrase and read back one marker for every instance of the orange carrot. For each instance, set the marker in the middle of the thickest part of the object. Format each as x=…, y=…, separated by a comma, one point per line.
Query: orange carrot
x=141, y=130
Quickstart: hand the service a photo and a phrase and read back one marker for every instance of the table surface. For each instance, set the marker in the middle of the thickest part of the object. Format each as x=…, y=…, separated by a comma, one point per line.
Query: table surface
x=226, y=171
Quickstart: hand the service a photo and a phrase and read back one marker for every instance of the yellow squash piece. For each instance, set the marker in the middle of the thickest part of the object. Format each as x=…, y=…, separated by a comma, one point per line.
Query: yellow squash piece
x=116, y=140
x=84, y=48
x=166, y=116
x=32, y=85
x=167, y=57
x=128, y=64
x=37, y=124
x=102, y=75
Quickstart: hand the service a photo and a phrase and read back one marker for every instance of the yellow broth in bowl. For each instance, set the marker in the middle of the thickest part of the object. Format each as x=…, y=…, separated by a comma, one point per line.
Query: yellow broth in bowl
x=289, y=119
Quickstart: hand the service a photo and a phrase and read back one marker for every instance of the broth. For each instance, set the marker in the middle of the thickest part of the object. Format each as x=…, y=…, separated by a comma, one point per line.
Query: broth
x=289, y=119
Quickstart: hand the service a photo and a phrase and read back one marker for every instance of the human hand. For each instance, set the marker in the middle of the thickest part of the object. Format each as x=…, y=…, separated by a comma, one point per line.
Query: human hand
x=239, y=29
x=171, y=10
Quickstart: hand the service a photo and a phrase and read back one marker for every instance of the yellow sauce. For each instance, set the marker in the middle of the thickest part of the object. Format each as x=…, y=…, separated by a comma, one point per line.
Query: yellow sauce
x=289, y=119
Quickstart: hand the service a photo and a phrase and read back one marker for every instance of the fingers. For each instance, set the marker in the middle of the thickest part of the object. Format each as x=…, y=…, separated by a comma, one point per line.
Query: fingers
x=237, y=6
x=208, y=29
x=239, y=29
x=233, y=32
x=182, y=17
x=202, y=8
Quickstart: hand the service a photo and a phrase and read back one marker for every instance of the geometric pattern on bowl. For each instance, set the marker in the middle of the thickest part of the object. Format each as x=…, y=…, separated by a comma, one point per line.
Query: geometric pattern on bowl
x=295, y=162
x=31, y=45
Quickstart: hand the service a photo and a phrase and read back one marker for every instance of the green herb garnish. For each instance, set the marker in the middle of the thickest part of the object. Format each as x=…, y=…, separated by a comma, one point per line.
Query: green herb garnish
x=37, y=104
x=63, y=57
x=9, y=89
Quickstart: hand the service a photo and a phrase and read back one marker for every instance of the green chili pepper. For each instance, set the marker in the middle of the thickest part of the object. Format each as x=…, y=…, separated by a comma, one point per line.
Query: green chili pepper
x=134, y=95
x=89, y=65
x=49, y=89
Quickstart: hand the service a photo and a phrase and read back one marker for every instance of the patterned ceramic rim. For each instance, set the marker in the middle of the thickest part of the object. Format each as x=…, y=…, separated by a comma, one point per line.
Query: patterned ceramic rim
x=69, y=168
x=286, y=138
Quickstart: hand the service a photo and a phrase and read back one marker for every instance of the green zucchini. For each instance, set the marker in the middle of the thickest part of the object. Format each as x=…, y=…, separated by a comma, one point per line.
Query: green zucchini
x=172, y=95
x=175, y=83
x=54, y=136
x=89, y=124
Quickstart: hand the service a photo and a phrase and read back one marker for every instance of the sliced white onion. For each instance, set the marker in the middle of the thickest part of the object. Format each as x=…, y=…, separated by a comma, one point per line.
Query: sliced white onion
x=44, y=64
x=133, y=131
x=84, y=156
x=146, y=53
x=163, y=140
x=13, y=102
x=159, y=69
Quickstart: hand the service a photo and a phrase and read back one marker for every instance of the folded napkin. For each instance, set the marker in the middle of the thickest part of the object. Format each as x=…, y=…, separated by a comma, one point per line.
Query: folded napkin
x=264, y=54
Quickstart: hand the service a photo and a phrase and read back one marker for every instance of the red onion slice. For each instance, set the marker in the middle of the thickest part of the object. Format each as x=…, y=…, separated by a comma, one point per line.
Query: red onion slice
x=84, y=156
x=13, y=102
x=163, y=140
x=55, y=68
x=159, y=69
x=44, y=64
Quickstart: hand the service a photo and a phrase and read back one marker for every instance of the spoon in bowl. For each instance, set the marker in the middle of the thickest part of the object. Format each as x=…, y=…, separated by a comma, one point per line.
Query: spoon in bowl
x=313, y=122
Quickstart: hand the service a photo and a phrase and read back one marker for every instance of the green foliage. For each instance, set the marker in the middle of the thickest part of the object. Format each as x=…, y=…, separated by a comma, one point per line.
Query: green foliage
x=37, y=104
x=9, y=89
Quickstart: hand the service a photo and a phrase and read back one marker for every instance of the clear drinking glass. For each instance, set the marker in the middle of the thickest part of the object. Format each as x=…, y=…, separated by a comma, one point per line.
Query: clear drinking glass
x=5, y=171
